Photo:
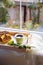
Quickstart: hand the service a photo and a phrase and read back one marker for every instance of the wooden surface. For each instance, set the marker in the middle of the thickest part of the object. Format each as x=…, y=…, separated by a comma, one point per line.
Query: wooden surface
x=2, y=46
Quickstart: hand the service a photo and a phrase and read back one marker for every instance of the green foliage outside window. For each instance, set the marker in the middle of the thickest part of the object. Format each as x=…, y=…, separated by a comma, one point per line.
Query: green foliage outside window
x=4, y=16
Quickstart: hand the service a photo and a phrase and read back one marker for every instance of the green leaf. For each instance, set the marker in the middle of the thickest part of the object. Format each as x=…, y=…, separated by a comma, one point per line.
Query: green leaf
x=20, y=46
x=11, y=42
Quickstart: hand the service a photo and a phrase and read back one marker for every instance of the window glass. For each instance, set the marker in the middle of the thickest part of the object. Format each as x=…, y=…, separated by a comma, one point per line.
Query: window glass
x=10, y=14
x=22, y=14
x=33, y=15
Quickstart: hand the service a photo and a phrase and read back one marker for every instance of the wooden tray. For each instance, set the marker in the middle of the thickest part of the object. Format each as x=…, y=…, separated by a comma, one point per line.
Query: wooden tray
x=12, y=48
x=8, y=47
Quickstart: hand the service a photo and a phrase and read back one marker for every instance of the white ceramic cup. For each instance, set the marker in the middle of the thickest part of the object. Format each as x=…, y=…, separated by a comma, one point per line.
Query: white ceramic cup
x=19, y=38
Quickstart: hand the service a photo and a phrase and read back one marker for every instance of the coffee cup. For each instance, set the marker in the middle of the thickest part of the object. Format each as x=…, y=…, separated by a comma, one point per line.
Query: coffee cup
x=19, y=38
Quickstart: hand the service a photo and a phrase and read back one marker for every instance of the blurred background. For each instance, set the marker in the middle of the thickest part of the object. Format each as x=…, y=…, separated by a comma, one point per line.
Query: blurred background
x=31, y=14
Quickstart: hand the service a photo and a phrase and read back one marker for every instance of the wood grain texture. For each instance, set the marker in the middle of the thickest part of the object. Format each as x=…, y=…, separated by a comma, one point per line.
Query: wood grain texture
x=2, y=46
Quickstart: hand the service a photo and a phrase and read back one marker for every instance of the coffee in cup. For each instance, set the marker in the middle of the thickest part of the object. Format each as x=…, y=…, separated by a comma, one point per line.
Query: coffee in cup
x=19, y=38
